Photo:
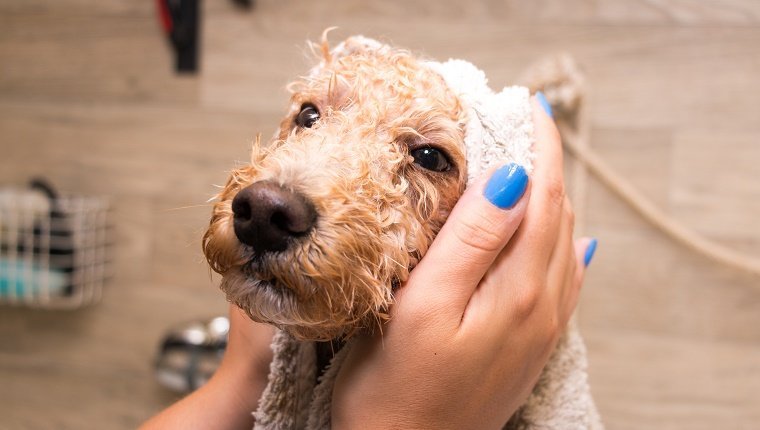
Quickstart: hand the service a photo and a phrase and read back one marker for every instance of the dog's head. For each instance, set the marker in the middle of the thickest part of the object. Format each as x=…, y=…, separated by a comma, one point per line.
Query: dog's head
x=328, y=218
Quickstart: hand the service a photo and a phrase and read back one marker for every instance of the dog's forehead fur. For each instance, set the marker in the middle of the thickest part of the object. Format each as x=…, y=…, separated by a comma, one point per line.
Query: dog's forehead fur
x=388, y=87
x=377, y=210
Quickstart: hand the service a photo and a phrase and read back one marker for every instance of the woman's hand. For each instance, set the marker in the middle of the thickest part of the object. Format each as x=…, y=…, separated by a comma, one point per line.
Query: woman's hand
x=479, y=316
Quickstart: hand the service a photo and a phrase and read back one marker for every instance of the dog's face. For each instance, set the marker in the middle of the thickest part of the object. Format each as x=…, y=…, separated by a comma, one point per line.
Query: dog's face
x=316, y=232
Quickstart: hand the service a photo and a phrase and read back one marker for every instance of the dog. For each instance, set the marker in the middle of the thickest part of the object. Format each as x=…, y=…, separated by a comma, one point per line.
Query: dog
x=329, y=218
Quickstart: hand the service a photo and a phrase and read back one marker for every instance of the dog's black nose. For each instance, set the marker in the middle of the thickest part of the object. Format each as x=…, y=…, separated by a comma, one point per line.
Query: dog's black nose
x=268, y=217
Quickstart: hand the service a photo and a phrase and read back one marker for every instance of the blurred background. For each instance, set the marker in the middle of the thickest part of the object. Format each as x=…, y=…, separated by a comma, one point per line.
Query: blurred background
x=90, y=99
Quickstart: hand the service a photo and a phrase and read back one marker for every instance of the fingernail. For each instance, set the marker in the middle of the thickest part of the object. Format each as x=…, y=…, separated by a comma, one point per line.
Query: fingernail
x=590, y=249
x=506, y=186
x=544, y=103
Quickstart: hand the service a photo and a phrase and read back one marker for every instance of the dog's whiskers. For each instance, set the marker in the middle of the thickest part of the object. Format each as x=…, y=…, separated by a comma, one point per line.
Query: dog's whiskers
x=178, y=208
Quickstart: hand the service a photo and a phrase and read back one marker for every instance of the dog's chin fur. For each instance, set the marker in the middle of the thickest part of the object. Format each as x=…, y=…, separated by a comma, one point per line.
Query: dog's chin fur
x=271, y=302
x=334, y=281
x=311, y=294
x=377, y=211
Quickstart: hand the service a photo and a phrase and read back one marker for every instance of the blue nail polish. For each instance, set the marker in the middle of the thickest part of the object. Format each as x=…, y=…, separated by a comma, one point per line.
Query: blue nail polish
x=589, y=252
x=506, y=186
x=544, y=103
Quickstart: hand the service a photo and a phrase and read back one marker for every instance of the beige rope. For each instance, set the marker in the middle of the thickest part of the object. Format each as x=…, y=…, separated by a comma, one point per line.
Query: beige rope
x=562, y=83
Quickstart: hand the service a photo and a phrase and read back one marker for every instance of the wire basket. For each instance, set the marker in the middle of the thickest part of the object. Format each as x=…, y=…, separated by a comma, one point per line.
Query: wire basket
x=52, y=250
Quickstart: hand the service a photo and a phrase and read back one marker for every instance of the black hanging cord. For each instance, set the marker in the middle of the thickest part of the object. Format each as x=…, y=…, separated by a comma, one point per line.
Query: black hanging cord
x=180, y=20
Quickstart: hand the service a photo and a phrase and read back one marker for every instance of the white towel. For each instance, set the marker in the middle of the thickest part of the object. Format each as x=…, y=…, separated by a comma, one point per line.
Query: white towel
x=499, y=125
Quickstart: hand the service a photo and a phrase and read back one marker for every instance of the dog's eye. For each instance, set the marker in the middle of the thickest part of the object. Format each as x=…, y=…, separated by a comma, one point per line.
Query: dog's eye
x=308, y=116
x=431, y=159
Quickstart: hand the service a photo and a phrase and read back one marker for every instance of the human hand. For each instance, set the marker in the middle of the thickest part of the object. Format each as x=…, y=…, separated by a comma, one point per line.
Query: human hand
x=480, y=315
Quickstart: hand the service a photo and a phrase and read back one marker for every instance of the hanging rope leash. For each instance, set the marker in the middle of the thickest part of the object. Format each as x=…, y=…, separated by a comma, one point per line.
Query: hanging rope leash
x=564, y=86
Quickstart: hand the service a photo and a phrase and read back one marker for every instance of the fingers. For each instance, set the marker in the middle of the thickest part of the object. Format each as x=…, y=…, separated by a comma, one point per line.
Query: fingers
x=584, y=253
x=583, y=249
x=482, y=222
x=539, y=259
x=527, y=284
x=562, y=256
x=544, y=211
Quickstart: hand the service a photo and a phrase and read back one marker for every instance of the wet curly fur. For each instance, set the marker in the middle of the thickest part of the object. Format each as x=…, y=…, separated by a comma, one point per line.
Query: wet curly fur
x=377, y=210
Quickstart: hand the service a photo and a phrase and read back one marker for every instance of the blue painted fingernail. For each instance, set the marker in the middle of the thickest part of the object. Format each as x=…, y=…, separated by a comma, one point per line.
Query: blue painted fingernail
x=590, y=249
x=506, y=186
x=544, y=103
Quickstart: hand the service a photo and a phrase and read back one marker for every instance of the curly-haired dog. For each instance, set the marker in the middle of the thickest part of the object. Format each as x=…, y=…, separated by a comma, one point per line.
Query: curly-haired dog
x=329, y=218
x=313, y=235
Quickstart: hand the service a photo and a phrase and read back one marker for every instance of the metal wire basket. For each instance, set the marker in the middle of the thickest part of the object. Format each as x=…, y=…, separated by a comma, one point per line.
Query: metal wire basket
x=52, y=250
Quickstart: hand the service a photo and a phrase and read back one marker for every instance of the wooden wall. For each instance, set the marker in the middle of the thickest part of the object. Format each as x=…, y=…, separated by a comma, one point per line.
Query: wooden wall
x=88, y=99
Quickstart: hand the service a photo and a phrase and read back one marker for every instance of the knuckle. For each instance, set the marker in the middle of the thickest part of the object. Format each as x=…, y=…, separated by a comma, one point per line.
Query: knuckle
x=569, y=212
x=578, y=279
x=478, y=233
x=555, y=191
x=527, y=301
x=553, y=327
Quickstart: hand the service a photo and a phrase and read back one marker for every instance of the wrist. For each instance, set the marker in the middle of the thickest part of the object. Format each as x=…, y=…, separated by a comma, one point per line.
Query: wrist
x=244, y=371
x=242, y=380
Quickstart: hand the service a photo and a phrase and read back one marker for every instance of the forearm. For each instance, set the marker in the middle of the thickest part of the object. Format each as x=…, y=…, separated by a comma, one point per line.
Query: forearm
x=228, y=399
x=225, y=402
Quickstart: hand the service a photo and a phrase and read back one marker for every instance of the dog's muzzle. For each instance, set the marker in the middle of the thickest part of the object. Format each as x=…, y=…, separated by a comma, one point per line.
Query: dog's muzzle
x=270, y=218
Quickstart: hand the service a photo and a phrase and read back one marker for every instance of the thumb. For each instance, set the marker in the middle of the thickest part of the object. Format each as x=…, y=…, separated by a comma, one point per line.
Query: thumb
x=479, y=227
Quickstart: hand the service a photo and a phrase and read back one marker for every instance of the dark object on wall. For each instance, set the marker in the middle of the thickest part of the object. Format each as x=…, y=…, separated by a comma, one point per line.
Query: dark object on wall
x=247, y=4
x=180, y=20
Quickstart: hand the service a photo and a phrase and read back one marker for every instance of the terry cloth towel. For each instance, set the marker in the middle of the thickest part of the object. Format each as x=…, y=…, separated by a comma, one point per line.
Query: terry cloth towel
x=499, y=129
